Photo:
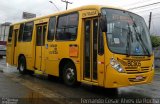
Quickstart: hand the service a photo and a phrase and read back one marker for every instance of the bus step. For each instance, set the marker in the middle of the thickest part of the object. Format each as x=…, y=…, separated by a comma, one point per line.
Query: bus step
x=38, y=72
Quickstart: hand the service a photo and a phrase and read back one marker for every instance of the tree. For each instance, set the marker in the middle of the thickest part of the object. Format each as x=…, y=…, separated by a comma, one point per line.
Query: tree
x=155, y=41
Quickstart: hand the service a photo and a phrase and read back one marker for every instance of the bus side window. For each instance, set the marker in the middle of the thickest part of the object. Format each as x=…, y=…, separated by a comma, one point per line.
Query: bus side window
x=20, y=37
x=67, y=27
x=51, y=29
x=27, y=33
x=10, y=34
x=100, y=43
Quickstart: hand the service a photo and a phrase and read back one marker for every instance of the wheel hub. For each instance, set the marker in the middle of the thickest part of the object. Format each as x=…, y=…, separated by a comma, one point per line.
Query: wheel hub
x=70, y=74
x=21, y=67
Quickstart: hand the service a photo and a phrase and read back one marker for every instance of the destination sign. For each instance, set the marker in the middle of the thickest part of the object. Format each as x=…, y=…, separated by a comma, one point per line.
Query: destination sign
x=89, y=13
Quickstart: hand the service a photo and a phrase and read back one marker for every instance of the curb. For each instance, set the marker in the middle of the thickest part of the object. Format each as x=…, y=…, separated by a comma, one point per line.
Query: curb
x=157, y=73
x=1, y=70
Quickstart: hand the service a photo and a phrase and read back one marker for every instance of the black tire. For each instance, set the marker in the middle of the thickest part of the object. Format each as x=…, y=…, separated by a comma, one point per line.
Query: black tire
x=1, y=56
x=112, y=91
x=70, y=74
x=30, y=72
x=22, y=65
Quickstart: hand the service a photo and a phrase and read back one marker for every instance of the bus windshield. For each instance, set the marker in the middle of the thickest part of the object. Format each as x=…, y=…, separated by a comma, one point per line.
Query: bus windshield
x=127, y=33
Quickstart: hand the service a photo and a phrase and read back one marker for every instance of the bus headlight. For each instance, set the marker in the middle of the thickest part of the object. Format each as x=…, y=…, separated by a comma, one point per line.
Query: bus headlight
x=116, y=65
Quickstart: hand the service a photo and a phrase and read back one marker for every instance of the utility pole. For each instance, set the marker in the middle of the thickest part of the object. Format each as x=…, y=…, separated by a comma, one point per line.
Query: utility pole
x=67, y=2
x=150, y=19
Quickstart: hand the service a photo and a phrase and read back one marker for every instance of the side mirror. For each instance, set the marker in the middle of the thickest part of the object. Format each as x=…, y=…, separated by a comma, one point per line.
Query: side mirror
x=103, y=23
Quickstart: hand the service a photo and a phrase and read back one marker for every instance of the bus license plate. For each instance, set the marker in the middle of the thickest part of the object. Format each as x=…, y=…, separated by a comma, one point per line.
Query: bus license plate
x=139, y=77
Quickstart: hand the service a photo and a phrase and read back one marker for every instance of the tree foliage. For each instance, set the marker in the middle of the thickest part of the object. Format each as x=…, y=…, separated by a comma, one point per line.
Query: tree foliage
x=155, y=41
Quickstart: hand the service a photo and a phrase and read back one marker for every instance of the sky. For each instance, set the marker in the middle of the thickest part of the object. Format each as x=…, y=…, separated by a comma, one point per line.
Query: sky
x=11, y=10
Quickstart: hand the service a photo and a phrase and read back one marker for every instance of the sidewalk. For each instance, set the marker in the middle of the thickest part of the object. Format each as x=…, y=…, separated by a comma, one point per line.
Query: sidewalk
x=157, y=71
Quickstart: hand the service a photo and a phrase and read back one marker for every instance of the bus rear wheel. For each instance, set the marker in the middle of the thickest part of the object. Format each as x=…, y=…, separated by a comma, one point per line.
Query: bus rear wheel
x=69, y=74
x=22, y=65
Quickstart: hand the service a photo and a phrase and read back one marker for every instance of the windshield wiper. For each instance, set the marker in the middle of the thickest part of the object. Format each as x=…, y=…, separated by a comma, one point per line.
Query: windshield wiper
x=128, y=48
x=139, y=37
x=143, y=44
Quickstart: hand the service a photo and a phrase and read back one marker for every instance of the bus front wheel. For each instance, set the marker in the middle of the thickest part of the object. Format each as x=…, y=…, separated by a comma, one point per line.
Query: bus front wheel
x=22, y=65
x=69, y=74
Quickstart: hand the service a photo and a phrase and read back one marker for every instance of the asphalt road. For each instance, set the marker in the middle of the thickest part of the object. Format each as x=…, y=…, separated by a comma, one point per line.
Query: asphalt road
x=38, y=89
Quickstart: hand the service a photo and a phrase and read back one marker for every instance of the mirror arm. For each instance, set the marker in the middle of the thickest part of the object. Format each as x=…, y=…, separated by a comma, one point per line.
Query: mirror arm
x=103, y=23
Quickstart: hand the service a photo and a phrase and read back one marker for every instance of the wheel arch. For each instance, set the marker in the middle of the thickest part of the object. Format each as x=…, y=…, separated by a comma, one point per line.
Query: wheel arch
x=21, y=55
x=63, y=62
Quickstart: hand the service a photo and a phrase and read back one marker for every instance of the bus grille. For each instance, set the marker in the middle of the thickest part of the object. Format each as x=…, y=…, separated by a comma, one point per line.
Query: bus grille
x=135, y=70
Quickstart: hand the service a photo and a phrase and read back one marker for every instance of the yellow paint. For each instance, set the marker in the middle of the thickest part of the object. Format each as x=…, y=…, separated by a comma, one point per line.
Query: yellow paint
x=38, y=57
x=47, y=58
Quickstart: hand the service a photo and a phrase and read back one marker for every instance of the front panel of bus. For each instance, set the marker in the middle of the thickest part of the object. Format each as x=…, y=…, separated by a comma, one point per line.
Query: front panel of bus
x=128, y=51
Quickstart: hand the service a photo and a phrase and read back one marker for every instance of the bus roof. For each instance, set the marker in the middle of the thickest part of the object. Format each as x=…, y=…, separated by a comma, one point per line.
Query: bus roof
x=98, y=7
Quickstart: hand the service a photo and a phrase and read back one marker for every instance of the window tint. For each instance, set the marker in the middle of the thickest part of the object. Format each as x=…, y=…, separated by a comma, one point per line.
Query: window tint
x=62, y=21
x=72, y=19
x=51, y=30
x=39, y=37
x=67, y=27
x=95, y=32
x=27, y=34
x=44, y=34
x=10, y=34
x=87, y=50
x=20, y=37
x=15, y=40
x=100, y=43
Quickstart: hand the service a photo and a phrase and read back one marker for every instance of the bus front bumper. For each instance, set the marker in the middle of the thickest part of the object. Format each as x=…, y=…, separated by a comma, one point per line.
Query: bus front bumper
x=115, y=79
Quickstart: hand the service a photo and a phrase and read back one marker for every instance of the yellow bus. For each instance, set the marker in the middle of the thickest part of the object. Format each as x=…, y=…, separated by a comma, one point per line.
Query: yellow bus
x=97, y=45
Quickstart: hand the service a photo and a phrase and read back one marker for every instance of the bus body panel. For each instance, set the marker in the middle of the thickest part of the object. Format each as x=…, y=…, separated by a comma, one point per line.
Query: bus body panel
x=11, y=51
x=47, y=57
x=114, y=79
x=52, y=61
x=26, y=52
x=9, y=55
x=123, y=80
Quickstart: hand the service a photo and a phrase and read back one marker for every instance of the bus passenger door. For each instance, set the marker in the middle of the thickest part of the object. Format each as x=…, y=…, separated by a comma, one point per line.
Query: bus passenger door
x=9, y=51
x=15, y=34
x=92, y=59
x=40, y=47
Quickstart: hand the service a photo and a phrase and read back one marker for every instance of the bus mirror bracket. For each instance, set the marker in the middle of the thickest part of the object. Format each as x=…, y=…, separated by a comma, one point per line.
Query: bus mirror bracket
x=103, y=23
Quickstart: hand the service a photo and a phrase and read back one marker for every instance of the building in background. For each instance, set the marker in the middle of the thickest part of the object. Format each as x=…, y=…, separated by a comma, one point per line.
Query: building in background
x=4, y=31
